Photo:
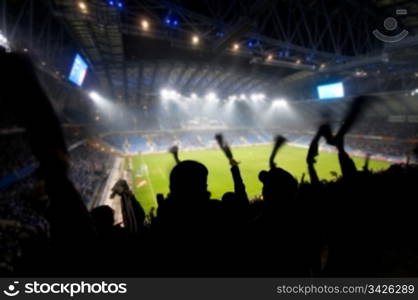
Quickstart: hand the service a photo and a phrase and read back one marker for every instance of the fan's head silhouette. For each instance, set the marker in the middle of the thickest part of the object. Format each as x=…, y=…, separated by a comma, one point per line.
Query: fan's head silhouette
x=188, y=181
x=103, y=217
x=278, y=185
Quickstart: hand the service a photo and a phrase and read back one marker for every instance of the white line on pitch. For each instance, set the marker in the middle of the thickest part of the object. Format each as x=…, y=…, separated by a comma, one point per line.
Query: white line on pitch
x=149, y=179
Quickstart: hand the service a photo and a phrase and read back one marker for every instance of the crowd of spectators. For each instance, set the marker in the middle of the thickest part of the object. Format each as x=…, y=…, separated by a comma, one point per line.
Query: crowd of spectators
x=386, y=128
x=383, y=148
x=74, y=134
x=22, y=198
x=15, y=154
x=89, y=166
x=89, y=169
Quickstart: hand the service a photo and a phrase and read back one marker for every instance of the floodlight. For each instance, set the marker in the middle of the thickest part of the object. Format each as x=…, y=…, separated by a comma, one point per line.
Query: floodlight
x=195, y=39
x=145, y=25
x=211, y=96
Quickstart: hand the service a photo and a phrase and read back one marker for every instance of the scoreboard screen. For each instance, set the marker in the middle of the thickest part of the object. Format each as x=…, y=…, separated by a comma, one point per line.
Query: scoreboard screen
x=78, y=71
x=331, y=91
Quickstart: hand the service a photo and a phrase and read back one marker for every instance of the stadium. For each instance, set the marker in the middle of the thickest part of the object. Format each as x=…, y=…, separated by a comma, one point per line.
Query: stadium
x=209, y=138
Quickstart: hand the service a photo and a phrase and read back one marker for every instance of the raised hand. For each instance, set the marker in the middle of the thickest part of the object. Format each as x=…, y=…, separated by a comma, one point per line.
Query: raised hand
x=326, y=132
x=220, y=139
x=366, y=162
x=302, y=179
x=348, y=167
x=350, y=119
x=175, y=151
x=313, y=150
x=120, y=187
x=279, y=141
x=323, y=130
x=225, y=149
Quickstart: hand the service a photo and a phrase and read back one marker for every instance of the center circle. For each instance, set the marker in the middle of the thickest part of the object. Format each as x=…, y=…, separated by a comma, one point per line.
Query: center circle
x=390, y=23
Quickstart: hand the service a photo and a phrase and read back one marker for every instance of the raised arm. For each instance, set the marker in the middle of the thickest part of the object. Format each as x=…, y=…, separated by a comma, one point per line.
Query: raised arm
x=323, y=131
x=347, y=165
x=310, y=159
x=348, y=168
x=239, y=186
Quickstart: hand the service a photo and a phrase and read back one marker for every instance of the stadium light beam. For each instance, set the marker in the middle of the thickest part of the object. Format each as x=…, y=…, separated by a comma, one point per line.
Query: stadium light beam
x=94, y=96
x=3, y=39
x=230, y=105
x=4, y=42
x=102, y=103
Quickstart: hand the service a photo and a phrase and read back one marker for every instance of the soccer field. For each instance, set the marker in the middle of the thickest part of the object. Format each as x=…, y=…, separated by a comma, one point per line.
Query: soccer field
x=151, y=171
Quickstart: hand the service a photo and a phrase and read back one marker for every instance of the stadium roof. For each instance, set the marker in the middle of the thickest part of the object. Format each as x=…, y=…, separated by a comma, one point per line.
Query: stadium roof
x=310, y=41
x=136, y=63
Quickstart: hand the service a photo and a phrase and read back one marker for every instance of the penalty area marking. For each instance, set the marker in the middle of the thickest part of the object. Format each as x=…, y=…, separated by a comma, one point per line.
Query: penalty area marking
x=149, y=180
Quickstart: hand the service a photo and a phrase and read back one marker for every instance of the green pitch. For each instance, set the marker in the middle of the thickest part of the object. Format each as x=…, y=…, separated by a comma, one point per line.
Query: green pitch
x=150, y=173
